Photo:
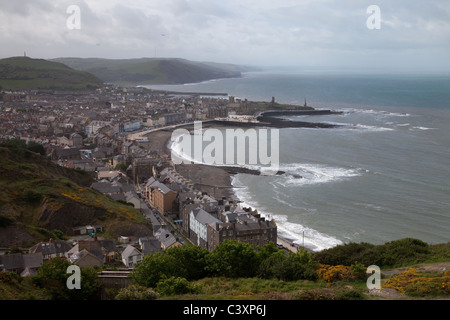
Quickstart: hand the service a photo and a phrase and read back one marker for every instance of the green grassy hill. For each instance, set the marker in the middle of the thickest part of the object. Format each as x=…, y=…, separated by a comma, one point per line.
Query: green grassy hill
x=39, y=197
x=19, y=73
x=152, y=70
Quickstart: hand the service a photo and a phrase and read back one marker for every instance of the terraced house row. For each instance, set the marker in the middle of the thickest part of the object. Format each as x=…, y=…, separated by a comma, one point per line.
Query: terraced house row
x=203, y=219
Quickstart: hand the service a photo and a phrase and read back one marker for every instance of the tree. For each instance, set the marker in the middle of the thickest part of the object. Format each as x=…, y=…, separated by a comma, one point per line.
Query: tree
x=233, y=259
x=266, y=251
x=17, y=142
x=154, y=266
x=30, y=145
x=192, y=259
x=35, y=147
x=272, y=266
x=52, y=276
x=297, y=266
x=185, y=261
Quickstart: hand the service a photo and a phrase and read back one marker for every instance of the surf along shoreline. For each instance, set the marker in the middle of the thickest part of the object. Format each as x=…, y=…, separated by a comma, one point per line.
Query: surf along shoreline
x=217, y=180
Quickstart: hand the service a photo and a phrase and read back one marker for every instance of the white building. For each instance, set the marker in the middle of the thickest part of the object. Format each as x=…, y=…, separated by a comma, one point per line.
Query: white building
x=94, y=126
x=198, y=223
x=131, y=256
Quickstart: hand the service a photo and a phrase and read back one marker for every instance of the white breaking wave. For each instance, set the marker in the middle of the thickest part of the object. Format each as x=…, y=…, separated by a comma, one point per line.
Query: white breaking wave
x=357, y=127
x=369, y=128
x=292, y=232
x=301, y=174
x=372, y=111
x=423, y=128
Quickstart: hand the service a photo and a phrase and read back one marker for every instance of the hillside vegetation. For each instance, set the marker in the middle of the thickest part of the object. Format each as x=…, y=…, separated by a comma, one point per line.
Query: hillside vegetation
x=152, y=70
x=235, y=270
x=39, y=197
x=18, y=73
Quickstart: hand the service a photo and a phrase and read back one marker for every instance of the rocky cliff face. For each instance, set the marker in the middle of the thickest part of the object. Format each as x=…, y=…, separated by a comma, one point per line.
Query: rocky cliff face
x=69, y=216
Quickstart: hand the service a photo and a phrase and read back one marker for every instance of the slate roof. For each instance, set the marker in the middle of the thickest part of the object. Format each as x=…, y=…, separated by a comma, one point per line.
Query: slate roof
x=76, y=257
x=167, y=239
x=150, y=245
x=52, y=247
x=98, y=248
x=204, y=217
x=130, y=251
x=20, y=261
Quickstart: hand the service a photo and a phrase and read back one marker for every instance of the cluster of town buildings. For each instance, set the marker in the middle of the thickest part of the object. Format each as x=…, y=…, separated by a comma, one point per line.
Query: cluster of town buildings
x=90, y=131
x=85, y=129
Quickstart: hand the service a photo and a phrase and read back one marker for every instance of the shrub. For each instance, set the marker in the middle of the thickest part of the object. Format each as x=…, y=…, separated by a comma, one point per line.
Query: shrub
x=192, y=259
x=5, y=221
x=358, y=270
x=136, y=292
x=154, y=267
x=299, y=266
x=391, y=254
x=349, y=295
x=31, y=196
x=272, y=266
x=233, y=259
x=414, y=283
x=10, y=277
x=52, y=276
x=397, y=253
x=314, y=294
x=175, y=285
x=58, y=234
x=291, y=267
x=345, y=254
x=334, y=273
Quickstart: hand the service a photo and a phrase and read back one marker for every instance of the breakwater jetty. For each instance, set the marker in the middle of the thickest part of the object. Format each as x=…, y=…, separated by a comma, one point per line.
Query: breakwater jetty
x=273, y=119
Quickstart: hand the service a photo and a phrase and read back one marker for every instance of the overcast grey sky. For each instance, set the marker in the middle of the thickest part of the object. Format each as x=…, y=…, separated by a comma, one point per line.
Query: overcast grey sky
x=414, y=34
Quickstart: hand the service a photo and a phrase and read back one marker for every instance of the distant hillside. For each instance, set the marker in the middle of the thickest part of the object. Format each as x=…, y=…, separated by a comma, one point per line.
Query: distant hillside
x=39, y=197
x=153, y=70
x=18, y=73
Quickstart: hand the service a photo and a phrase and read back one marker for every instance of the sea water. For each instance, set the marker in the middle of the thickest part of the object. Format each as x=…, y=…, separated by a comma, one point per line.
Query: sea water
x=382, y=174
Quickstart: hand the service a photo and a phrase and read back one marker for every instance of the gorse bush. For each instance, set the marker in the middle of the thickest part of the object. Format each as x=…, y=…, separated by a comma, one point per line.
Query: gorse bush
x=334, y=273
x=417, y=284
x=171, y=271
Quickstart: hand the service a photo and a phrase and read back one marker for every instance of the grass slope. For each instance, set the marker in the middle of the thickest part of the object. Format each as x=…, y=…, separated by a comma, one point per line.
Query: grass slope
x=18, y=73
x=152, y=70
x=39, y=197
